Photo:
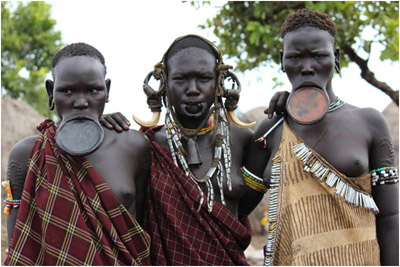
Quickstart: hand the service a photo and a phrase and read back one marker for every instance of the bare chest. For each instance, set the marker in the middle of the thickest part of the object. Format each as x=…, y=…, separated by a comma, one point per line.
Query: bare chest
x=344, y=146
x=113, y=168
x=206, y=150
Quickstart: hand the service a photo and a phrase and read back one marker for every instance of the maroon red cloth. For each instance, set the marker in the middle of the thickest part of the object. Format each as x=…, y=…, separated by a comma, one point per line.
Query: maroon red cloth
x=69, y=215
x=180, y=235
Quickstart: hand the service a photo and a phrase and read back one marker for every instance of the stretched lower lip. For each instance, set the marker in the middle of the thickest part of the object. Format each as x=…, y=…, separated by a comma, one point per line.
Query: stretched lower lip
x=308, y=86
x=193, y=108
x=78, y=117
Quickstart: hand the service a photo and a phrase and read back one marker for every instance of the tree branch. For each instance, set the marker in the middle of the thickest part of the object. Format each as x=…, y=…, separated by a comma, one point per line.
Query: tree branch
x=368, y=75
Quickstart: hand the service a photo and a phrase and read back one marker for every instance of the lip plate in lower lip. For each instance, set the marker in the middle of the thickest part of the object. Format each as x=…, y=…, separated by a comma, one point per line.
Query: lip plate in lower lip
x=308, y=84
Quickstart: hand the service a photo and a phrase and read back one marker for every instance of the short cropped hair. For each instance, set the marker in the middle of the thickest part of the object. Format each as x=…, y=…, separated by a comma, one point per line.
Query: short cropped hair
x=78, y=49
x=308, y=18
x=189, y=42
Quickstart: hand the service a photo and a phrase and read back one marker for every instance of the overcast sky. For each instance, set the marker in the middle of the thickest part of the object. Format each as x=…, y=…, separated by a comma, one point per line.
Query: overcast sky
x=133, y=36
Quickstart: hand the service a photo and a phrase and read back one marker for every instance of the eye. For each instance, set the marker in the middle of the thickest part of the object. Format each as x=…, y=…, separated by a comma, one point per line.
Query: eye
x=292, y=57
x=205, y=78
x=94, y=91
x=179, y=79
x=66, y=91
x=320, y=56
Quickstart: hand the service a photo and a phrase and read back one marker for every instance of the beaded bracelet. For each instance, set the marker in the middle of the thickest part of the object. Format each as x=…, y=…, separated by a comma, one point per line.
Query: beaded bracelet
x=254, y=182
x=384, y=175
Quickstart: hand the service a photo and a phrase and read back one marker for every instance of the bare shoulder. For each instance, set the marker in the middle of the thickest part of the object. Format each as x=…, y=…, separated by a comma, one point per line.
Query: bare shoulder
x=368, y=114
x=18, y=164
x=132, y=140
x=242, y=134
x=373, y=120
x=21, y=151
x=265, y=125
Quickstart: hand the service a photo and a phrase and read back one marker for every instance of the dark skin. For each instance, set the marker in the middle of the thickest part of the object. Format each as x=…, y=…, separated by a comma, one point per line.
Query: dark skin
x=79, y=89
x=191, y=82
x=189, y=75
x=356, y=141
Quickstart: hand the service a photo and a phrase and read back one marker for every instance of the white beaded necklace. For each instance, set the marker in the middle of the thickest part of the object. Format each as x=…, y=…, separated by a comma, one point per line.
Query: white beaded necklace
x=222, y=150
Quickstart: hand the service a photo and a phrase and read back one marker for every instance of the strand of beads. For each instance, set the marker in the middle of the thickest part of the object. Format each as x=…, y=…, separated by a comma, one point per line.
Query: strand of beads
x=335, y=105
x=384, y=175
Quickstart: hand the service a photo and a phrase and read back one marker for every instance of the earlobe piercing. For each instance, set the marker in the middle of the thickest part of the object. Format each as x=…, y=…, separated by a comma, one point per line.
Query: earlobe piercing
x=51, y=104
x=337, y=69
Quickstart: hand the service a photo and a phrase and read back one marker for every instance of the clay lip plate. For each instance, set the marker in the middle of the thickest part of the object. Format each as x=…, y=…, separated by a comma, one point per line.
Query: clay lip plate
x=307, y=105
x=80, y=137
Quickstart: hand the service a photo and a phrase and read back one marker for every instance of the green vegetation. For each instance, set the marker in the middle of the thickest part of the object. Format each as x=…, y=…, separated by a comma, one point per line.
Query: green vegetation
x=28, y=43
x=249, y=32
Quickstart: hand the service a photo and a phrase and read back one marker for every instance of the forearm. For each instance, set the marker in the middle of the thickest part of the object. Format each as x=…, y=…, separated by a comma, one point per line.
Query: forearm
x=249, y=201
x=11, y=220
x=388, y=238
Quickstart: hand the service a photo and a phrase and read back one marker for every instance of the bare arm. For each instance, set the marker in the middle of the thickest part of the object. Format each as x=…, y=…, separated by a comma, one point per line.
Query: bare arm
x=144, y=163
x=256, y=156
x=16, y=174
x=386, y=196
x=255, y=160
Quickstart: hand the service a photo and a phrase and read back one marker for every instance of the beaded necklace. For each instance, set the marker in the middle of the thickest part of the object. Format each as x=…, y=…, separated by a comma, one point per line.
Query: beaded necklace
x=221, y=163
x=204, y=130
x=335, y=105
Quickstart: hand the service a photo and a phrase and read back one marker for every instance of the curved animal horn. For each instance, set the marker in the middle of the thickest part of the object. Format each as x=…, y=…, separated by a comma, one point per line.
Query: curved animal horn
x=153, y=100
x=153, y=122
x=235, y=120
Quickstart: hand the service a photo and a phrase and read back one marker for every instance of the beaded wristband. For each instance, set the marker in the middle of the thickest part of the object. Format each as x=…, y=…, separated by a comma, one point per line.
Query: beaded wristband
x=254, y=182
x=12, y=202
x=385, y=175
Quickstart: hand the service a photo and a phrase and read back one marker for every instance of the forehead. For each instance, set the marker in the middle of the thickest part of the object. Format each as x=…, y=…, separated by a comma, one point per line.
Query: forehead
x=191, y=59
x=308, y=37
x=78, y=67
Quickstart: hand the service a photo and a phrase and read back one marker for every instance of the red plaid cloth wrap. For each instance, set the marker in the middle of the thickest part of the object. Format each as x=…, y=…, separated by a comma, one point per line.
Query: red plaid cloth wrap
x=69, y=216
x=180, y=235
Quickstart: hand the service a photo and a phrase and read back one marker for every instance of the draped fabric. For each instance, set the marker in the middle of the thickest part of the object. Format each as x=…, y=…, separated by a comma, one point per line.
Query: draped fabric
x=311, y=225
x=180, y=234
x=69, y=216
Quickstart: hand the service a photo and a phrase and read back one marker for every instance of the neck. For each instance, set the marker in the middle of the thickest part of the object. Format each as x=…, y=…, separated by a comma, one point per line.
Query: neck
x=206, y=127
x=193, y=123
x=331, y=94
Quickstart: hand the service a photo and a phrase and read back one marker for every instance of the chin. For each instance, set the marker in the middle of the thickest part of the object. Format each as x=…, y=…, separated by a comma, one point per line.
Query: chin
x=193, y=116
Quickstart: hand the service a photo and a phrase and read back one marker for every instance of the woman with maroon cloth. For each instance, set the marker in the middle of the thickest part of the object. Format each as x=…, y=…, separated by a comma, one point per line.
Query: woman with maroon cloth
x=198, y=197
x=77, y=189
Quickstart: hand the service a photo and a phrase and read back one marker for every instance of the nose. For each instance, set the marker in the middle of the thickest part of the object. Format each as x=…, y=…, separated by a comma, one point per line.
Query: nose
x=192, y=88
x=81, y=102
x=307, y=67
